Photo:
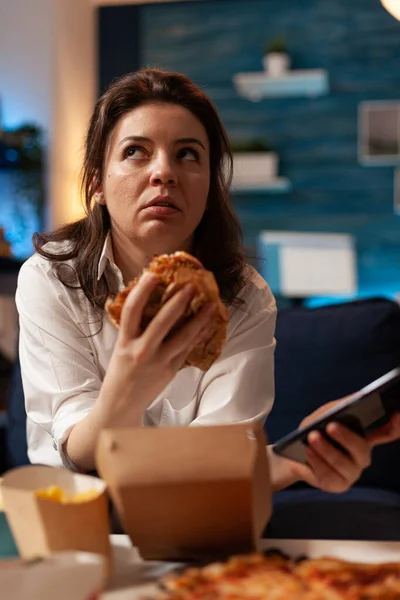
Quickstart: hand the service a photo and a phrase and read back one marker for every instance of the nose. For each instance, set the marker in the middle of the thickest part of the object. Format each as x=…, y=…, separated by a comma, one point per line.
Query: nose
x=163, y=172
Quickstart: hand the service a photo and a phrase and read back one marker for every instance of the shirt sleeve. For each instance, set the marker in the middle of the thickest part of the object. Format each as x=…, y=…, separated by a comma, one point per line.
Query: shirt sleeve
x=239, y=387
x=60, y=378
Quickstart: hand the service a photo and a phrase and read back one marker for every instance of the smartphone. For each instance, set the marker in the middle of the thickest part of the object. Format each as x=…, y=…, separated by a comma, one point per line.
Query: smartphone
x=362, y=412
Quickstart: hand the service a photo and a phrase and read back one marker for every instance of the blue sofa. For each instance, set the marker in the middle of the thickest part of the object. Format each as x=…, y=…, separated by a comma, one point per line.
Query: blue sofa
x=322, y=354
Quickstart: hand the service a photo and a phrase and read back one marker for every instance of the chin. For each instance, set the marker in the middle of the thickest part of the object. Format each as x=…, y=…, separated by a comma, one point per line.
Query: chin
x=158, y=242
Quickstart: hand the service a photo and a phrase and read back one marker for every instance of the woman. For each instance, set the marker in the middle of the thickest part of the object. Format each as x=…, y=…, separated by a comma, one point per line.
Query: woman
x=155, y=182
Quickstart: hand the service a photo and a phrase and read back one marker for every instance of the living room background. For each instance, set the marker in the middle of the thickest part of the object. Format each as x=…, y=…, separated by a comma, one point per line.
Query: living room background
x=357, y=43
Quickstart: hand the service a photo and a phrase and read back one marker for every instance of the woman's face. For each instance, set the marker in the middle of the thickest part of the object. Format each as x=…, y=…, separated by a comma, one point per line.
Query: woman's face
x=157, y=177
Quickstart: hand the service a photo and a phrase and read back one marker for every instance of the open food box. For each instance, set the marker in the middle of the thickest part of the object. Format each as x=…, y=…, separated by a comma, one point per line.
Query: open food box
x=200, y=496
x=188, y=493
x=42, y=522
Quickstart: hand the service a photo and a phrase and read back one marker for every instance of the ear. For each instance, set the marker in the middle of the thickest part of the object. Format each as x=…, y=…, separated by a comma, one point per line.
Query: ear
x=98, y=196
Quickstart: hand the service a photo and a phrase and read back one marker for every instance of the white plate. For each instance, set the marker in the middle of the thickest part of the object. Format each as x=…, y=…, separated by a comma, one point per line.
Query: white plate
x=135, y=579
x=63, y=575
x=367, y=552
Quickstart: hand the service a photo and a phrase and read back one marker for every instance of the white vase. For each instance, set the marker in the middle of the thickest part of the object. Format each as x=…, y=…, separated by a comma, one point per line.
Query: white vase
x=276, y=63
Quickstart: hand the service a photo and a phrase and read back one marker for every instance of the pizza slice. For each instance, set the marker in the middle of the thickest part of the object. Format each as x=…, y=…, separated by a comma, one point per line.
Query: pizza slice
x=276, y=577
x=337, y=579
x=249, y=577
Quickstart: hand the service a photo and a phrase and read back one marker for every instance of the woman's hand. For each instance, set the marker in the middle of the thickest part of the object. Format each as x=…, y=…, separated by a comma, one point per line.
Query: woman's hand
x=387, y=433
x=143, y=363
x=328, y=467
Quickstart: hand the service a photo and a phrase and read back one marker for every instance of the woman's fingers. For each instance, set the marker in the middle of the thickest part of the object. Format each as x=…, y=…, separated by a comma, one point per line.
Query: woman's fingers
x=387, y=433
x=323, y=475
x=335, y=467
x=132, y=310
x=153, y=339
x=191, y=334
x=357, y=447
x=168, y=315
x=334, y=459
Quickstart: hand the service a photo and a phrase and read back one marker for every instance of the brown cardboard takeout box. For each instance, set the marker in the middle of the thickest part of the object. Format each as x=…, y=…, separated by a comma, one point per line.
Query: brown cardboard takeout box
x=41, y=526
x=187, y=493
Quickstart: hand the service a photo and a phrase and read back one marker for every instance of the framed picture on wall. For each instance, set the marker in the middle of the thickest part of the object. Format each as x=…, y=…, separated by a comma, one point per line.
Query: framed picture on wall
x=379, y=133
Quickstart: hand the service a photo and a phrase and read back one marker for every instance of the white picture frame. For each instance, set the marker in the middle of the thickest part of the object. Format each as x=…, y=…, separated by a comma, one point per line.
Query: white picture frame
x=379, y=133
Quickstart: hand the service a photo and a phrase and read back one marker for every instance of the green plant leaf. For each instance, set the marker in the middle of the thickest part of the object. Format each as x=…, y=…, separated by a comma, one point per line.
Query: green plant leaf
x=277, y=44
x=252, y=145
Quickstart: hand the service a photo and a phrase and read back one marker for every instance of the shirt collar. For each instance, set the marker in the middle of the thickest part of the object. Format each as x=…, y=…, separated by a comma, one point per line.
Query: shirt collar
x=107, y=255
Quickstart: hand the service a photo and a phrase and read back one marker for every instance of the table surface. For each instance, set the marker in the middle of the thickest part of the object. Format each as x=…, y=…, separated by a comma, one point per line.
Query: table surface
x=135, y=578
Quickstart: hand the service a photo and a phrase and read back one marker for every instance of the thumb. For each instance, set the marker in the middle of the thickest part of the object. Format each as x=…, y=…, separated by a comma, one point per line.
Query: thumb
x=135, y=303
x=387, y=433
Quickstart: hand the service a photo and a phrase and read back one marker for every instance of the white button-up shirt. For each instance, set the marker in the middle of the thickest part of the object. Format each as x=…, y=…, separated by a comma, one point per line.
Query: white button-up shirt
x=65, y=351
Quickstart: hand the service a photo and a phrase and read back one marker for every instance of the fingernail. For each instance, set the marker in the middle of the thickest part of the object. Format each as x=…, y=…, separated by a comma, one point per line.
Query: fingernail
x=149, y=276
x=332, y=428
x=314, y=437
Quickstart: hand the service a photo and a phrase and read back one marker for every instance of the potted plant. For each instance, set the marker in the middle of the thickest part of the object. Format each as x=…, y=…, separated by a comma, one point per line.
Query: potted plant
x=255, y=163
x=276, y=60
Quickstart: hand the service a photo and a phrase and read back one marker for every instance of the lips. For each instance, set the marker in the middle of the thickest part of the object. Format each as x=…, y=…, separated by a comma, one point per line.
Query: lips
x=162, y=201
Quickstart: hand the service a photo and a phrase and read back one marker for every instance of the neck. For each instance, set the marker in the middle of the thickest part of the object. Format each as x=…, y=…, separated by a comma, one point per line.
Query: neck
x=130, y=261
x=131, y=258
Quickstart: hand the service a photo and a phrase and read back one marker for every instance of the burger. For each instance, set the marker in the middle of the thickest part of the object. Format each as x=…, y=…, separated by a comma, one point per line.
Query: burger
x=174, y=271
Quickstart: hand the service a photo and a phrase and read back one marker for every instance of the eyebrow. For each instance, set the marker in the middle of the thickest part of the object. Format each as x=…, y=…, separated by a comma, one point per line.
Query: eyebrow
x=190, y=141
x=140, y=138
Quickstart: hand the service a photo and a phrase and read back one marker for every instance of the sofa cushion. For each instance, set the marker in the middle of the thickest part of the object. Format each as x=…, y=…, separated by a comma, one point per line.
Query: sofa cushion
x=17, y=454
x=329, y=352
x=6, y=368
x=358, y=514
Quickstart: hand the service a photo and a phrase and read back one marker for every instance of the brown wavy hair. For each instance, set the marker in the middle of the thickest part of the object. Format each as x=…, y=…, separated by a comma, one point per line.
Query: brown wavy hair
x=218, y=237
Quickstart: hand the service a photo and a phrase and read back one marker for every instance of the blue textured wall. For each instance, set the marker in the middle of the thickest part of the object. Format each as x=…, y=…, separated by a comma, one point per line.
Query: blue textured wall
x=358, y=43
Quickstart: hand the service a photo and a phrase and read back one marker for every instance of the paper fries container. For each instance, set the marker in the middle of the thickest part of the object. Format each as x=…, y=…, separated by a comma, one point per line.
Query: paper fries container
x=63, y=576
x=42, y=526
x=188, y=492
x=7, y=545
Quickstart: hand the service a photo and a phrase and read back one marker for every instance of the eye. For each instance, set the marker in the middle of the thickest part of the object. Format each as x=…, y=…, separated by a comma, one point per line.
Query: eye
x=188, y=154
x=135, y=152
